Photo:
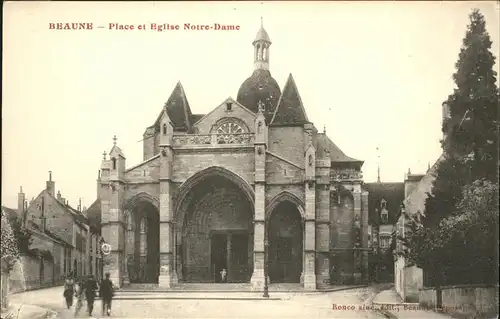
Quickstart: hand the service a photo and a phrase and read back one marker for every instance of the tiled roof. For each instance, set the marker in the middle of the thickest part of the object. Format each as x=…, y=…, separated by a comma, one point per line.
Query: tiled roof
x=178, y=109
x=323, y=143
x=290, y=110
x=393, y=193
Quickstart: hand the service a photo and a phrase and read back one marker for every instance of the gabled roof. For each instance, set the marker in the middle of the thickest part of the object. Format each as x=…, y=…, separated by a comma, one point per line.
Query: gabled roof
x=178, y=109
x=393, y=193
x=290, y=110
x=323, y=144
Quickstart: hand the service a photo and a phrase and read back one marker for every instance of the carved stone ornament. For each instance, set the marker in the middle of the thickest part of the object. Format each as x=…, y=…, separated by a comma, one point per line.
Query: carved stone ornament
x=259, y=150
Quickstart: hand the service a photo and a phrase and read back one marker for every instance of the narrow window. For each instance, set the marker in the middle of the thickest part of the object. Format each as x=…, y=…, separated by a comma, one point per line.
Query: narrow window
x=229, y=106
x=114, y=162
x=164, y=129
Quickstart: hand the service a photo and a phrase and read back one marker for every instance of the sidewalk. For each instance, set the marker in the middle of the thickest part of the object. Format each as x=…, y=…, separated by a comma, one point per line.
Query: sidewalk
x=391, y=305
x=22, y=311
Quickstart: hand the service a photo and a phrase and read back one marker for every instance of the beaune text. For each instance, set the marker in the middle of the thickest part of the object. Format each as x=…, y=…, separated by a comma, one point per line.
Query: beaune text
x=159, y=27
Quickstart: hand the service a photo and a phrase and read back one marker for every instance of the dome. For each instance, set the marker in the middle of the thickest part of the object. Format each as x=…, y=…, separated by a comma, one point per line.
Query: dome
x=261, y=86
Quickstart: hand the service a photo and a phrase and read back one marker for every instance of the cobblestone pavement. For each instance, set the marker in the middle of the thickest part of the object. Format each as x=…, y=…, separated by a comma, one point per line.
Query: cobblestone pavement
x=297, y=306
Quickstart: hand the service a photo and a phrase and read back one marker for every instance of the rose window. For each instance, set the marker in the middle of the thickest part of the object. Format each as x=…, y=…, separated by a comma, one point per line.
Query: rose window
x=227, y=132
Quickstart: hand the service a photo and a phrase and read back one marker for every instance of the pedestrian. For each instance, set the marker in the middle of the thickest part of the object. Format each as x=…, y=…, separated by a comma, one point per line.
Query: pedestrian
x=69, y=291
x=106, y=292
x=223, y=275
x=79, y=294
x=90, y=292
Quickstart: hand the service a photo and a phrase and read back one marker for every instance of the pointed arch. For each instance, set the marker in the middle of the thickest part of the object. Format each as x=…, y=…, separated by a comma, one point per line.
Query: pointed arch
x=282, y=197
x=140, y=197
x=196, y=178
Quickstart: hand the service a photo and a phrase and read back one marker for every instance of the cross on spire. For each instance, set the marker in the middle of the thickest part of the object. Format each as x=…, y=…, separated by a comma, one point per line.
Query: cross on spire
x=104, y=155
x=378, y=165
x=114, y=140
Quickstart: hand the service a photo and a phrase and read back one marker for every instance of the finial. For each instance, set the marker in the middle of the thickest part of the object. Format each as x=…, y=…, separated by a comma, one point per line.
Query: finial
x=114, y=140
x=378, y=165
x=261, y=22
x=21, y=189
x=409, y=172
x=50, y=176
x=428, y=166
x=104, y=155
x=324, y=129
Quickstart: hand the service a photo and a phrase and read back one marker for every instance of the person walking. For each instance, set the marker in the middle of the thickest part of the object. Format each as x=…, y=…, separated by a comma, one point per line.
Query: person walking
x=80, y=295
x=69, y=291
x=90, y=292
x=106, y=291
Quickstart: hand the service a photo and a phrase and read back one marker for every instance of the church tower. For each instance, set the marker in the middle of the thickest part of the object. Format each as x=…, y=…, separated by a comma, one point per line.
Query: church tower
x=261, y=44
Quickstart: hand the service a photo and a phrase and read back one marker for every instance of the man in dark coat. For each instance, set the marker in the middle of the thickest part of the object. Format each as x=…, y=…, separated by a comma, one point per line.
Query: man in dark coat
x=90, y=292
x=106, y=292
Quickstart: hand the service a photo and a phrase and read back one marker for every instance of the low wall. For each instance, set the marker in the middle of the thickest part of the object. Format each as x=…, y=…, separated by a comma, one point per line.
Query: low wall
x=465, y=300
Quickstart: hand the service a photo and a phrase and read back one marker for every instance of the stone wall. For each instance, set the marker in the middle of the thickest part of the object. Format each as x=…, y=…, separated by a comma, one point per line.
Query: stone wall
x=465, y=300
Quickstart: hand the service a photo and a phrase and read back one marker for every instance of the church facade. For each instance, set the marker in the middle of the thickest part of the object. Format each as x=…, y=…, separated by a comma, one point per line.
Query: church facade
x=251, y=184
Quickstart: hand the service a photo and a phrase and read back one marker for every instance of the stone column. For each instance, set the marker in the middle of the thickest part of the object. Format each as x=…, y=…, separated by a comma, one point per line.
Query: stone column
x=310, y=237
x=259, y=222
x=113, y=232
x=323, y=222
x=257, y=279
x=357, y=242
x=168, y=276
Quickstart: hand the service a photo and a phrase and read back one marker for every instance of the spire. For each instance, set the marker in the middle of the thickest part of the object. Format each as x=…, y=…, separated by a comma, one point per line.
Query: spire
x=261, y=46
x=378, y=165
x=290, y=110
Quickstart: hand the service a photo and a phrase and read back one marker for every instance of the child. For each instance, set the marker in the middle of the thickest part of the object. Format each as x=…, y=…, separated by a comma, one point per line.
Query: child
x=69, y=290
x=80, y=295
x=223, y=275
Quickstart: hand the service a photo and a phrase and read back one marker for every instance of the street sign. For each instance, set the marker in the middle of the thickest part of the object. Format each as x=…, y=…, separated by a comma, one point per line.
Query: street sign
x=106, y=249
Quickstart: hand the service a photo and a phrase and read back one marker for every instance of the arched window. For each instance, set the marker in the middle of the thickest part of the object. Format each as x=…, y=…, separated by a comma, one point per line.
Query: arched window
x=114, y=162
x=164, y=129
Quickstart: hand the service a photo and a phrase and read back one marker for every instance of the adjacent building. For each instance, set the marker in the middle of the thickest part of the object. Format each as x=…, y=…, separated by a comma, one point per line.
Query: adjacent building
x=384, y=206
x=249, y=184
x=65, y=241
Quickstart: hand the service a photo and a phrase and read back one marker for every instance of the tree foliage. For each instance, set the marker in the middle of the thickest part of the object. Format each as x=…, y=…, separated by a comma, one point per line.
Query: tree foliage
x=456, y=240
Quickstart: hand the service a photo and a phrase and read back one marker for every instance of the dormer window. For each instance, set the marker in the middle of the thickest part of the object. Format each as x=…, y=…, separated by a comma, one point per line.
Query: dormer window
x=383, y=204
x=164, y=129
x=114, y=162
x=384, y=216
x=229, y=106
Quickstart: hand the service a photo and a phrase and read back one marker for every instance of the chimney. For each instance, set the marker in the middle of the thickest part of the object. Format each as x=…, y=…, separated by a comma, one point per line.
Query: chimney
x=59, y=197
x=21, y=198
x=51, y=185
x=84, y=210
x=79, y=208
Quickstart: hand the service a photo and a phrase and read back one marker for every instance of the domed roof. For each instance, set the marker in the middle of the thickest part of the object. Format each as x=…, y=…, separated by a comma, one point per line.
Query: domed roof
x=261, y=86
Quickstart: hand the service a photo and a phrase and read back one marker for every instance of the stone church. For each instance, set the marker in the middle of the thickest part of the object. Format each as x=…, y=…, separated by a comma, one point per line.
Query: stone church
x=251, y=187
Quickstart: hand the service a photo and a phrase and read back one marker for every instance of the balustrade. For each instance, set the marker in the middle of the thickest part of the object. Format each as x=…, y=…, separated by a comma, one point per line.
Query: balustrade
x=346, y=175
x=213, y=139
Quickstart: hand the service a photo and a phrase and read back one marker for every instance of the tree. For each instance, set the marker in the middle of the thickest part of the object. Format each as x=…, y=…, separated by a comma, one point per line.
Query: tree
x=472, y=127
x=9, y=252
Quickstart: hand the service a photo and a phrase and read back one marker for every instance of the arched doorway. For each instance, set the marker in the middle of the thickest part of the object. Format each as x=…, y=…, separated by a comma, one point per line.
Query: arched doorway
x=285, y=236
x=142, y=241
x=216, y=219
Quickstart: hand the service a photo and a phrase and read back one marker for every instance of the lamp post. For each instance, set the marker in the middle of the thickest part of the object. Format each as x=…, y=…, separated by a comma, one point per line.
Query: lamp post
x=266, y=288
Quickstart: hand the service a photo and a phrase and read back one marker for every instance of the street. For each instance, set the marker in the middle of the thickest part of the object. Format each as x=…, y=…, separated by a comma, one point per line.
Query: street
x=348, y=304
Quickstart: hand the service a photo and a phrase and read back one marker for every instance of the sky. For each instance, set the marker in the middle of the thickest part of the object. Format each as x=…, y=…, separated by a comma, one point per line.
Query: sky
x=373, y=73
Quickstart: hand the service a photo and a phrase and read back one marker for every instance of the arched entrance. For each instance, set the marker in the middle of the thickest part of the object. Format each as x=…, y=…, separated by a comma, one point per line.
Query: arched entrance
x=142, y=240
x=285, y=236
x=216, y=230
